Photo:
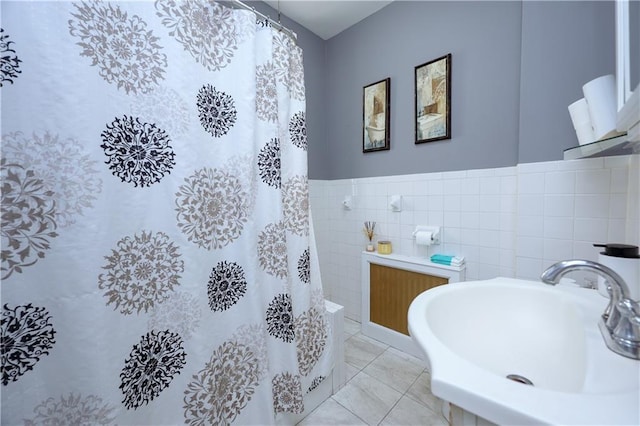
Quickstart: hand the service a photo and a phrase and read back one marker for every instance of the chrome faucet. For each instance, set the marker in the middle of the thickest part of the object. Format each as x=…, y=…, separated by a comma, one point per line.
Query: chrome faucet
x=620, y=322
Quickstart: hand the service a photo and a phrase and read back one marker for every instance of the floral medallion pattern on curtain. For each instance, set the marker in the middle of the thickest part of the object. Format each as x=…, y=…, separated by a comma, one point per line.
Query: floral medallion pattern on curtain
x=9, y=61
x=122, y=47
x=157, y=260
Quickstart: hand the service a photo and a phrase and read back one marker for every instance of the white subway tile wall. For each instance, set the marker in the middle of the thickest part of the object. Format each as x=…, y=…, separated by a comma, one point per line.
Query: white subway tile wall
x=510, y=221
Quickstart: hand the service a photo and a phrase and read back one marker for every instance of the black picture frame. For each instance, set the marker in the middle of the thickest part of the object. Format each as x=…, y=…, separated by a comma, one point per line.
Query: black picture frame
x=432, y=105
x=375, y=116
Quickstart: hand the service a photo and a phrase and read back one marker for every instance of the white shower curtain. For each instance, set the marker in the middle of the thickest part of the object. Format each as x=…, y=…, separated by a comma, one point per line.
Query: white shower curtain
x=158, y=265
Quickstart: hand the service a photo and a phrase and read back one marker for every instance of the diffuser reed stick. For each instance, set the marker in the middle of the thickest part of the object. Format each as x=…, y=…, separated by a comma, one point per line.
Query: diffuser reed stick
x=369, y=228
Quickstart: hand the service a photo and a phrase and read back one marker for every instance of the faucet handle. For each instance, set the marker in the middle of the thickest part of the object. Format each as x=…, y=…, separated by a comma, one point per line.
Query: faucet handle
x=630, y=309
x=623, y=335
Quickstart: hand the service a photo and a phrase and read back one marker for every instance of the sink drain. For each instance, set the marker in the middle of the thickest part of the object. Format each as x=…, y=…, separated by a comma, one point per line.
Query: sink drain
x=520, y=379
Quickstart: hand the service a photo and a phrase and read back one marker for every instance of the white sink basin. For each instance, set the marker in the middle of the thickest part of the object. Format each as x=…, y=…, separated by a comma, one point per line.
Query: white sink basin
x=475, y=333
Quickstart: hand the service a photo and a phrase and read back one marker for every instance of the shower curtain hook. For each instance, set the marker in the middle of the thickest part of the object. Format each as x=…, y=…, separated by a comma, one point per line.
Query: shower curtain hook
x=279, y=13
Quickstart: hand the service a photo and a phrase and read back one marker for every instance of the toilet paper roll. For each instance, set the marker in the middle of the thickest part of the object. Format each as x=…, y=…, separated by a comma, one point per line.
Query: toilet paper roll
x=579, y=112
x=423, y=238
x=585, y=134
x=600, y=95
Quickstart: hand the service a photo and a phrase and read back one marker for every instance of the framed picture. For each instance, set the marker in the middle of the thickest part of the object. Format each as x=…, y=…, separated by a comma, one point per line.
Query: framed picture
x=375, y=116
x=433, y=100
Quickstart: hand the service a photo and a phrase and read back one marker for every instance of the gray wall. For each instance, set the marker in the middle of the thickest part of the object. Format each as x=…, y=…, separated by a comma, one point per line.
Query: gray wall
x=564, y=45
x=484, y=40
x=516, y=67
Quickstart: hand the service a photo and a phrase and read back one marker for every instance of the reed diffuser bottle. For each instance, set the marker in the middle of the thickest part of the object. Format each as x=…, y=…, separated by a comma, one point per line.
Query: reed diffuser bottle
x=369, y=228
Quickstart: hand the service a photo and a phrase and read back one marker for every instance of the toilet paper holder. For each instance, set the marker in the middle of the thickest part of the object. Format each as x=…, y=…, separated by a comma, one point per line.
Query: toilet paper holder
x=434, y=230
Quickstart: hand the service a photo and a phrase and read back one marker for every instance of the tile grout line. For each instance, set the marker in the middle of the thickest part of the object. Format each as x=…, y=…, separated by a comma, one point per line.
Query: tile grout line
x=338, y=402
x=406, y=394
x=386, y=349
x=403, y=394
x=361, y=370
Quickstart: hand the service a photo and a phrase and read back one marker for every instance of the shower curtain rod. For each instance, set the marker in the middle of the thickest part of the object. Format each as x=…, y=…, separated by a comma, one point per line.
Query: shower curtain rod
x=277, y=25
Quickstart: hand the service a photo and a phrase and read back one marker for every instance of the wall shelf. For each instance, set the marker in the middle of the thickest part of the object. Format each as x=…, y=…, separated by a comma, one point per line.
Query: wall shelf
x=619, y=145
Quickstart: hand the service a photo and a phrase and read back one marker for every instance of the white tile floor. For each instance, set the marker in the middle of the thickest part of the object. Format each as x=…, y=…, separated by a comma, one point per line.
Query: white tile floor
x=384, y=387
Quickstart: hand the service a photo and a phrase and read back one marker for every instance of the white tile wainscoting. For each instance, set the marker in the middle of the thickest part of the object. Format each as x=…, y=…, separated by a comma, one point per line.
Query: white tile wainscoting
x=510, y=221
